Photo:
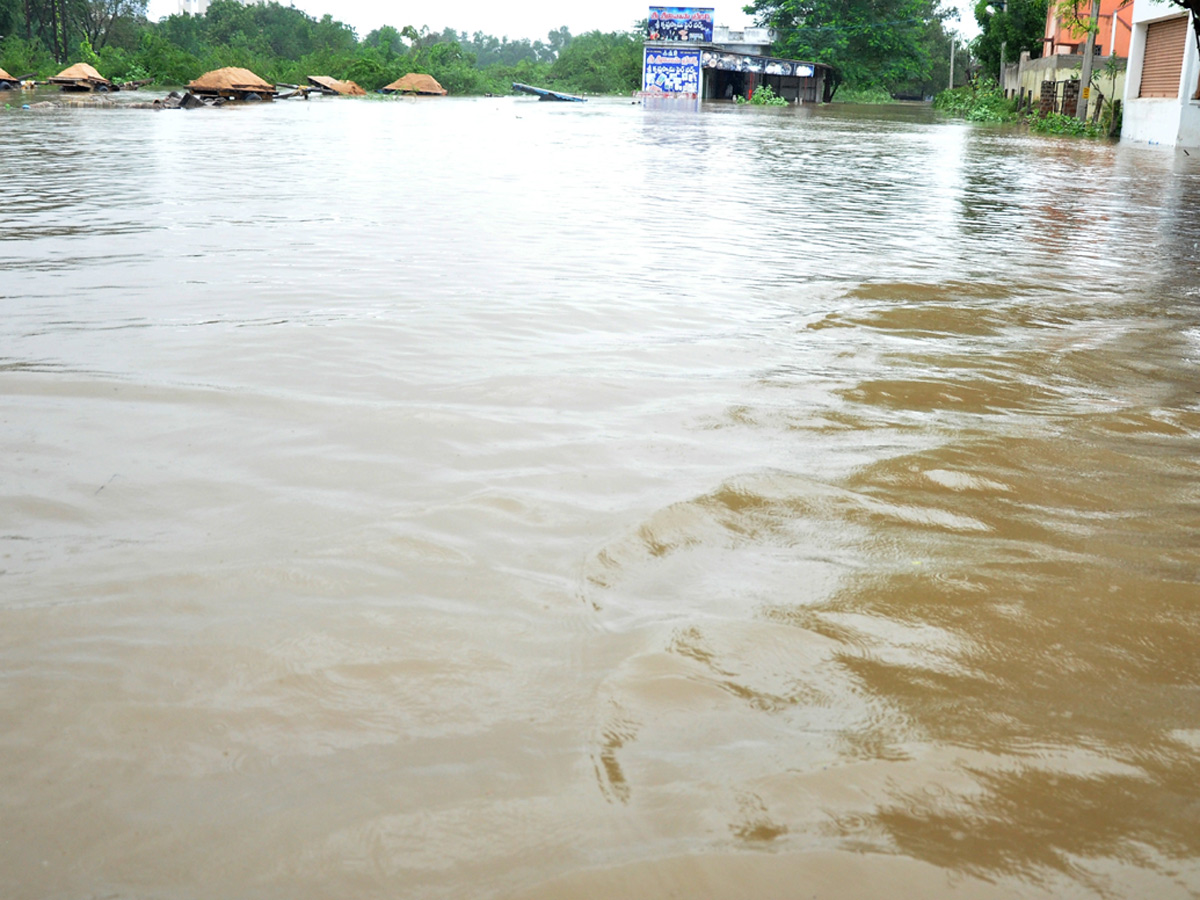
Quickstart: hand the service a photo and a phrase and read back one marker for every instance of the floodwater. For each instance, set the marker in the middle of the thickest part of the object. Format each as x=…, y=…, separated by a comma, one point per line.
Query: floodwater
x=495, y=499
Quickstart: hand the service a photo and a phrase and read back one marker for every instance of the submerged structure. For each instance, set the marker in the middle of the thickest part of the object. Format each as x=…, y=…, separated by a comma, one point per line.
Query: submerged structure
x=7, y=82
x=232, y=83
x=329, y=85
x=686, y=55
x=82, y=78
x=416, y=83
x=547, y=94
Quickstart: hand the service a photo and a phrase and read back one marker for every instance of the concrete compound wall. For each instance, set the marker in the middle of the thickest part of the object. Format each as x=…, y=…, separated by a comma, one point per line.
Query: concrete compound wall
x=1061, y=68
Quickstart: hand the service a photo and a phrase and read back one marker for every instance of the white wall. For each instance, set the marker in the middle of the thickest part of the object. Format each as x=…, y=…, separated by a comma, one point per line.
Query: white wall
x=1189, y=121
x=1165, y=122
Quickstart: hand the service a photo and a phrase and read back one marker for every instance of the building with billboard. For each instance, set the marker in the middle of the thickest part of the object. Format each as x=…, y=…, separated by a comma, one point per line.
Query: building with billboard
x=687, y=55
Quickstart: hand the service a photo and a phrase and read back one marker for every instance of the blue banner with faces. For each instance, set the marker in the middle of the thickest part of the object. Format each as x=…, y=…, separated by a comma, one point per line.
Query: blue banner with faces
x=671, y=71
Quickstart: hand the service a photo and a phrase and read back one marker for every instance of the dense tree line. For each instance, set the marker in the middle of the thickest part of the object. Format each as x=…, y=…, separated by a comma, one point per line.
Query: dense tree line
x=285, y=45
x=900, y=47
x=59, y=25
x=1016, y=24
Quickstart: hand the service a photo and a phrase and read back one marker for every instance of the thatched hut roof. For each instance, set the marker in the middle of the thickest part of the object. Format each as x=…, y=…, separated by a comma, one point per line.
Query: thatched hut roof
x=80, y=73
x=348, y=88
x=4, y=76
x=416, y=83
x=231, y=78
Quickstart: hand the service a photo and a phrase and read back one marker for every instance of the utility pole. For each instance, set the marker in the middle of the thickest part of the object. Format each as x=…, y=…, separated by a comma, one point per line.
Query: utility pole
x=953, y=41
x=991, y=11
x=1003, y=47
x=1085, y=69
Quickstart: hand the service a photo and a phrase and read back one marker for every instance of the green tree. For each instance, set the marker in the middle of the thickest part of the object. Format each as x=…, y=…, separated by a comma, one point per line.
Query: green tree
x=600, y=63
x=453, y=67
x=1016, y=24
x=186, y=33
x=386, y=39
x=101, y=20
x=23, y=57
x=938, y=43
x=56, y=24
x=558, y=39
x=371, y=68
x=165, y=62
x=333, y=36
x=490, y=51
x=866, y=43
x=390, y=41
x=10, y=17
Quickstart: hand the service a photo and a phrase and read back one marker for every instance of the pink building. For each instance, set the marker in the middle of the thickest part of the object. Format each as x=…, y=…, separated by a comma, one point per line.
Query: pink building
x=1116, y=27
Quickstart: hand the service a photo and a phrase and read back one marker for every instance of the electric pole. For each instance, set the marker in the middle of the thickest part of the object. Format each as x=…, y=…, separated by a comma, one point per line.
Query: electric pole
x=1085, y=70
x=1003, y=47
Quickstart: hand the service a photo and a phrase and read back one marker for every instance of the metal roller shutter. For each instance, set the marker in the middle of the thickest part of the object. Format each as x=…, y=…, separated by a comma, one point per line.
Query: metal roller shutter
x=1163, y=63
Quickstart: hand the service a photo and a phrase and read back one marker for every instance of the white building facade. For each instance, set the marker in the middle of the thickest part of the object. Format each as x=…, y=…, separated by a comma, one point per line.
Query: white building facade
x=1162, y=83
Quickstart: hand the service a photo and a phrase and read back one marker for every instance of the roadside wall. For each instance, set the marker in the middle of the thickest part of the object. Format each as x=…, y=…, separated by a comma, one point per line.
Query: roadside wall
x=1066, y=67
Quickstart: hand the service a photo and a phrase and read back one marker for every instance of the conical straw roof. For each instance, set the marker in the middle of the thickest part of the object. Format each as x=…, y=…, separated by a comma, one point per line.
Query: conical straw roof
x=4, y=76
x=416, y=83
x=231, y=78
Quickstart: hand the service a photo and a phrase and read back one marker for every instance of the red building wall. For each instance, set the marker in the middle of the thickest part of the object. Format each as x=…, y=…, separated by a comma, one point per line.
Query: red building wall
x=1113, y=37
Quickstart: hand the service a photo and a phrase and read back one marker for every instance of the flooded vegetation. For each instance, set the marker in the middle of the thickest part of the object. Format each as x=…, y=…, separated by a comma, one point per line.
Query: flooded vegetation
x=500, y=499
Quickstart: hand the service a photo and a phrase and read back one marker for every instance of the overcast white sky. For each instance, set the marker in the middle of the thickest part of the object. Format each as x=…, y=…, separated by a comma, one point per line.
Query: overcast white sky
x=516, y=19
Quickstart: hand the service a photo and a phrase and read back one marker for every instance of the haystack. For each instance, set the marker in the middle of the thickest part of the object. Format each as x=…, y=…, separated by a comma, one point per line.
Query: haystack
x=232, y=83
x=415, y=83
x=81, y=77
x=333, y=86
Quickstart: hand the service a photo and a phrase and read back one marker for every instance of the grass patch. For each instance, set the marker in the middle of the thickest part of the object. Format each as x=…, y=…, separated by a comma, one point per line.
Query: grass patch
x=1057, y=123
x=862, y=95
x=977, y=102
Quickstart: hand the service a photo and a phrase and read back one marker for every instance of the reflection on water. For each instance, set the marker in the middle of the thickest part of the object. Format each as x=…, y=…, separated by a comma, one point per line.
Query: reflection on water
x=487, y=498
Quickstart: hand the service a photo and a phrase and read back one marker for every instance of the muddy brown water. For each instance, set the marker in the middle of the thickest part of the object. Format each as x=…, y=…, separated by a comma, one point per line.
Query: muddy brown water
x=497, y=499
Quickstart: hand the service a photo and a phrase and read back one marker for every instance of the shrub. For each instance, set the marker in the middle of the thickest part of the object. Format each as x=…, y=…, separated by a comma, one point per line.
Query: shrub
x=764, y=96
x=862, y=95
x=20, y=57
x=980, y=101
x=1057, y=123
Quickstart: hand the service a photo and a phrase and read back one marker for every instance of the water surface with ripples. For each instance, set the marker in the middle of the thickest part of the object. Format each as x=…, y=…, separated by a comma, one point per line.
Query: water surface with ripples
x=490, y=498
